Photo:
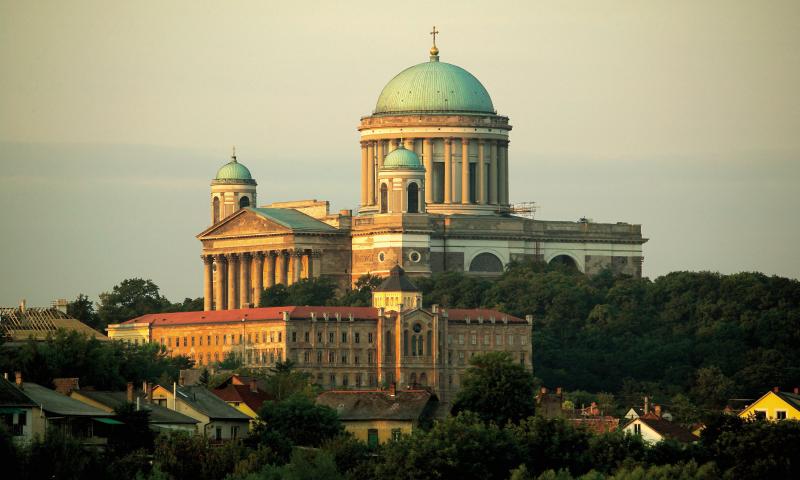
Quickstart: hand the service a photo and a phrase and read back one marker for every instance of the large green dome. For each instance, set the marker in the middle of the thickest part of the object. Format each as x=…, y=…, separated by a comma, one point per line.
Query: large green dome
x=234, y=172
x=402, y=158
x=434, y=87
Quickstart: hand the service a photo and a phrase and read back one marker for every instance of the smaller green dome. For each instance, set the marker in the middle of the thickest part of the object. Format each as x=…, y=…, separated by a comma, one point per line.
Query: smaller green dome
x=402, y=158
x=234, y=172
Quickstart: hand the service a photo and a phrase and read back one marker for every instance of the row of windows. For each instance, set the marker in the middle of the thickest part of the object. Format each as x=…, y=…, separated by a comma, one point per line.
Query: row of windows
x=226, y=339
x=331, y=357
x=486, y=339
x=460, y=358
x=345, y=379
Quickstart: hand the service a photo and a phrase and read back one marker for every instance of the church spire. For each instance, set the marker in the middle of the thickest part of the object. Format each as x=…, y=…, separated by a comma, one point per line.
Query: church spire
x=434, y=50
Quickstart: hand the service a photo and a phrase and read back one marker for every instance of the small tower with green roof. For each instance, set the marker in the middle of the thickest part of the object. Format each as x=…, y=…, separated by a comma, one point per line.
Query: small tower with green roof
x=401, y=183
x=232, y=189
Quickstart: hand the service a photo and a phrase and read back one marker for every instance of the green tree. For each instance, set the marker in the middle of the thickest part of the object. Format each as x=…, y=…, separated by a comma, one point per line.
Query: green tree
x=83, y=309
x=299, y=420
x=496, y=388
x=284, y=381
x=129, y=299
x=361, y=295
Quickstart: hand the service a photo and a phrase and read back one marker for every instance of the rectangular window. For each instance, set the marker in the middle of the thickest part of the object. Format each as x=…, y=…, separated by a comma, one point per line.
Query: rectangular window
x=200, y=339
x=780, y=414
x=224, y=339
x=249, y=338
x=345, y=379
x=449, y=339
x=369, y=337
x=169, y=341
x=369, y=357
x=510, y=340
x=331, y=337
x=319, y=337
x=319, y=356
x=461, y=339
x=218, y=434
x=306, y=357
x=241, y=338
x=523, y=340
x=344, y=337
x=185, y=343
x=358, y=380
x=234, y=432
x=344, y=358
x=396, y=432
x=294, y=337
x=449, y=357
x=332, y=379
x=522, y=358
x=637, y=429
x=280, y=336
x=498, y=339
x=486, y=339
x=356, y=358
x=761, y=414
x=473, y=339
x=331, y=357
x=209, y=341
x=216, y=339
x=271, y=337
x=356, y=337
x=306, y=335
x=461, y=358
x=372, y=437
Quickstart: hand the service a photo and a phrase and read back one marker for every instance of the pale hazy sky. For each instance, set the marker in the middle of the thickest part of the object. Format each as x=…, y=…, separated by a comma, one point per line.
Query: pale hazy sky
x=683, y=116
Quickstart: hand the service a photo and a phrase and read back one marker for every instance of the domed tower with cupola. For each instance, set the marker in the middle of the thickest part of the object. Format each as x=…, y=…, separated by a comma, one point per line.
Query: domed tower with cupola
x=401, y=183
x=444, y=115
x=231, y=190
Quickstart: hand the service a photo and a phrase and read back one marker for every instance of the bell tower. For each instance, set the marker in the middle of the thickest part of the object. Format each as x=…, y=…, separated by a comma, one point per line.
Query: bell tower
x=232, y=189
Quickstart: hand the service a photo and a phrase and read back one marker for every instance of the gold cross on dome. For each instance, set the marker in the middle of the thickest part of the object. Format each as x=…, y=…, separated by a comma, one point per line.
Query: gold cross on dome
x=434, y=32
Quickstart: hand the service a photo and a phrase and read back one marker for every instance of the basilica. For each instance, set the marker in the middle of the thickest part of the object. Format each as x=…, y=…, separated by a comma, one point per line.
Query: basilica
x=435, y=166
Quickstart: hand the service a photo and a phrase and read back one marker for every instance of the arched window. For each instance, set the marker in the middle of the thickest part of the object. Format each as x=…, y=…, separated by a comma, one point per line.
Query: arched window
x=423, y=379
x=566, y=262
x=384, y=198
x=405, y=343
x=413, y=198
x=486, y=262
x=428, y=342
x=413, y=379
x=413, y=345
x=420, y=340
x=216, y=210
x=244, y=202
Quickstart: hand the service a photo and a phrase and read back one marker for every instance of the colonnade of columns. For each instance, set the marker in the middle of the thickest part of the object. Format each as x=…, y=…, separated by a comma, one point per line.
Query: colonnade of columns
x=239, y=278
x=491, y=172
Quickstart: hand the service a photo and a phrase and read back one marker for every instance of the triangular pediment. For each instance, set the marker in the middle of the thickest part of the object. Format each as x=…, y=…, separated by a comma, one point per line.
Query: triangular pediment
x=245, y=222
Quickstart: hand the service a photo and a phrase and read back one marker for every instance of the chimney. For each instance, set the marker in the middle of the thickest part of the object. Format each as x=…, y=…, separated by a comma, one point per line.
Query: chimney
x=129, y=392
x=18, y=379
x=435, y=308
x=776, y=389
x=22, y=304
x=646, y=405
x=529, y=319
x=657, y=410
x=253, y=386
x=393, y=389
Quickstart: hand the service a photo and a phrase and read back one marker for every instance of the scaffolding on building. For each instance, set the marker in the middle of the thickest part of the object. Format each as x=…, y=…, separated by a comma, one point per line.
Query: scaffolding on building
x=524, y=209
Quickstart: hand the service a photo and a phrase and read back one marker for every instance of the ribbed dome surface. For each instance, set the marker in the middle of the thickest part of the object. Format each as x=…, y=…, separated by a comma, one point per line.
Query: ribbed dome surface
x=402, y=158
x=434, y=87
x=233, y=170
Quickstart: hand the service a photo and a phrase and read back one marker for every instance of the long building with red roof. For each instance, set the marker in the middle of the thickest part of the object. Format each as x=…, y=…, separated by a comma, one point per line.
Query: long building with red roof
x=394, y=341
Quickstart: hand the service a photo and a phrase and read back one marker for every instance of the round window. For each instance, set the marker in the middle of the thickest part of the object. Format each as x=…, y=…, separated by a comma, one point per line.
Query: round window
x=414, y=256
x=381, y=257
x=417, y=328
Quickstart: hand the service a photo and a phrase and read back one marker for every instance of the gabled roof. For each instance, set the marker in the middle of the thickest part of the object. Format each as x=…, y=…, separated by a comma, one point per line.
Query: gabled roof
x=378, y=405
x=158, y=414
x=484, y=313
x=397, y=281
x=58, y=404
x=293, y=219
x=242, y=394
x=11, y=396
x=205, y=402
x=38, y=323
x=793, y=400
x=666, y=429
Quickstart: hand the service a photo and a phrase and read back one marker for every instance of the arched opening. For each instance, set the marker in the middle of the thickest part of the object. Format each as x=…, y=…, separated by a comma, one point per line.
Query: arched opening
x=429, y=342
x=413, y=198
x=215, y=213
x=565, y=261
x=420, y=341
x=244, y=202
x=423, y=379
x=388, y=343
x=384, y=198
x=405, y=343
x=487, y=263
x=413, y=345
x=412, y=379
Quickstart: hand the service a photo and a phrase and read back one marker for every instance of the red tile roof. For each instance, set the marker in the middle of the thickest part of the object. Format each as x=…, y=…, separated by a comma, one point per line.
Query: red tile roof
x=243, y=394
x=295, y=312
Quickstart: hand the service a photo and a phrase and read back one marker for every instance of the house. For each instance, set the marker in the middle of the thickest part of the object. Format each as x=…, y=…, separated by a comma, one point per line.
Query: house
x=217, y=420
x=19, y=324
x=19, y=414
x=653, y=428
x=88, y=424
x=243, y=393
x=774, y=405
x=377, y=416
x=161, y=418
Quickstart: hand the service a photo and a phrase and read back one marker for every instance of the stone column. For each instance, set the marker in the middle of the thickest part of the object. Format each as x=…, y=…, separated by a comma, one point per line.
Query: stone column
x=481, y=170
x=316, y=263
x=244, y=280
x=465, y=170
x=364, y=174
x=379, y=153
x=219, y=293
x=448, y=172
x=392, y=145
x=258, y=278
x=493, y=182
x=370, y=174
x=232, y=267
x=427, y=158
x=269, y=275
x=408, y=144
x=208, y=282
x=297, y=265
x=281, y=267
x=504, y=155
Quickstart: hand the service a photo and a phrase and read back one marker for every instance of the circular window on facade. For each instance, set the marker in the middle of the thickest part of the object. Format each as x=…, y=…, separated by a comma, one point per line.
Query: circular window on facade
x=381, y=257
x=417, y=328
x=414, y=256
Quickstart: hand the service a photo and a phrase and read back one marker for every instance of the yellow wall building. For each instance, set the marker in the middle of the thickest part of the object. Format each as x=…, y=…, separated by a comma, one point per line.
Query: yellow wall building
x=774, y=405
